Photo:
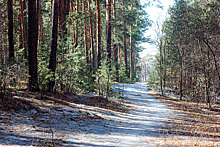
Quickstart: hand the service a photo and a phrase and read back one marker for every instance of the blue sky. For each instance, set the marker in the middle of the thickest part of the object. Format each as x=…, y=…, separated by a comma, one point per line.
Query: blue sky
x=156, y=15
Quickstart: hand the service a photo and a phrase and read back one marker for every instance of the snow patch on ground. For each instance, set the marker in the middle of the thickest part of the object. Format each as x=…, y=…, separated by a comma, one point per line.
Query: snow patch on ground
x=82, y=125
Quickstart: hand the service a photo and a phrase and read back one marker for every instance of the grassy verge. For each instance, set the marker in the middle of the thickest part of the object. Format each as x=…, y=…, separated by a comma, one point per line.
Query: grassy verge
x=190, y=118
x=26, y=100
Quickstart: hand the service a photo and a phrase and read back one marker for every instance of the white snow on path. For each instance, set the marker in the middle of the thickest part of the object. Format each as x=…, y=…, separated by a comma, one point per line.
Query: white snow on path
x=140, y=127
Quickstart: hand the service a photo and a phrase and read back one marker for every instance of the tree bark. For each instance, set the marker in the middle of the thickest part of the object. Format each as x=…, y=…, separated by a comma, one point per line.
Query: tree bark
x=91, y=40
x=98, y=33
x=10, y=29
x=165, y=64
x=131, y=44
x=53, y=46
x=32, y=45
x=115, y=43
x=40, y=23
x=120, y=56
x=23, y=30
x=62, y=16
x=108, y=33
x=125, y=42
x=85, y=34
x=181, y=79
x=76, y=29
x=161, y=68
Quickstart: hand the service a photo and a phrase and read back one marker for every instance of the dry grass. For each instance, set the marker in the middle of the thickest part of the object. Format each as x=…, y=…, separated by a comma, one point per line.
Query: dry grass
x=187, y=142
x=190, y=118
x=26, y=100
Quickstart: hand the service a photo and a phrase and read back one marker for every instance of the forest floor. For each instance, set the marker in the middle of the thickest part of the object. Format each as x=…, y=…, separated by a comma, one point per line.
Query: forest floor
x=192, y=118
x=134, y=119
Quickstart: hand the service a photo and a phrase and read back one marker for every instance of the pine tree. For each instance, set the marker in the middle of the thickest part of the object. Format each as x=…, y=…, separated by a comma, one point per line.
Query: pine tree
x=32, y=45
x=53, y=46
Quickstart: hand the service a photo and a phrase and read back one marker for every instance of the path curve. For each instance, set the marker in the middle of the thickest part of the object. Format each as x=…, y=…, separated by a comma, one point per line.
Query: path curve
x=141, y=127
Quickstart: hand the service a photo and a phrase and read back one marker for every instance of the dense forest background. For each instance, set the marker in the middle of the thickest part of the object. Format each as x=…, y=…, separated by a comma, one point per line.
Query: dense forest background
x=188, y=62
x=63, y=65
x=70, y=45
x=86, y=45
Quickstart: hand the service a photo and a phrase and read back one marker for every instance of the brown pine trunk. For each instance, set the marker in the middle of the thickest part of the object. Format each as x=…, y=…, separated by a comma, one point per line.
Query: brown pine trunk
x=71, y=9
x=62, y=16
x=40, y=26
x=32, y=45
x=165, y=65
x=108, y=33
x=51, y=7
x=120, y=56
x=10, y=29
x=135, y=65
x=85, y=34
x=131, y=44
x=115, y=43
x=91, y=40
x=76, y=29
x=181, y=79
x=95, y=26
x=98, y=33
x=161, y=69
x=95, y=40
x=23, y=30
x=25, y=20
x=4, y=36
x=125, y=42
x=53, y=46
x=67, y=7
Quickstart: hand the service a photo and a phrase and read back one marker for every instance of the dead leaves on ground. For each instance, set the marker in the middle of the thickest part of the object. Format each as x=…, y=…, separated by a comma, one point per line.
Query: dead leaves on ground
x=25, y=100
x=191, y=119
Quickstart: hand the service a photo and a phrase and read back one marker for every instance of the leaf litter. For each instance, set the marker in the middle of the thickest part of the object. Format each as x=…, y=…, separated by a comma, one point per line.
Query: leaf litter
x=65, y=119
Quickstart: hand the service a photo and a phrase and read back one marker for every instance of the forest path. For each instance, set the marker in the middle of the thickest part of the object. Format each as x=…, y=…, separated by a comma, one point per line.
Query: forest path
x=76, y=124
x=140, y=127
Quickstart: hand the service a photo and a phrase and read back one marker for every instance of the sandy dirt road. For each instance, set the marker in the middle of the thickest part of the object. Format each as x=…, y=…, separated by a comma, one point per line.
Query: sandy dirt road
x=142, y=126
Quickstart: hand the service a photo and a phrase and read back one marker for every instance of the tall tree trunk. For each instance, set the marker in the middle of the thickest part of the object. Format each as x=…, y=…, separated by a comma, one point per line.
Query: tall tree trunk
x=108, y=33
x=62, y=16
x=40, y=21
x=164, y=63
x=85, y=34
x=125, y=42
x=115, y=43
x=120, y=55
x=214, y=58
x=98, y=33
x=25, y=4
x=32, y=45
x=4, y=36
x=207, y=79
x=135, y=65
x=161, y=68
x=131, y=44
x=40, y=26
x=76, y=29
x=207, y=86
x=67, y=7
x=10, y=30
x=62, y=28
x=53, y=46
x=91, y=40
x=23, y=30
x=181, y=79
